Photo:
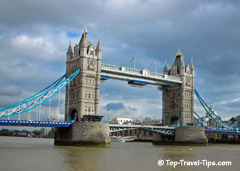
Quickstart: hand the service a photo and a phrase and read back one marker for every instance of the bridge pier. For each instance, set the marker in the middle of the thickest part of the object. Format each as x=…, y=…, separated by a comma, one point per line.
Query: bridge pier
x=183, y=136
x=83, y=133
x=160, y=139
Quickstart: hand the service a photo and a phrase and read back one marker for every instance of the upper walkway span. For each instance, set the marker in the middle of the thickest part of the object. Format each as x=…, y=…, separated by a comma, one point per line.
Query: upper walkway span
x=144, y=75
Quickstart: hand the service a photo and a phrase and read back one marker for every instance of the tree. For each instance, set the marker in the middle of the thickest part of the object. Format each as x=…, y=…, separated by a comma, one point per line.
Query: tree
x=147, y=120
x=114, y=121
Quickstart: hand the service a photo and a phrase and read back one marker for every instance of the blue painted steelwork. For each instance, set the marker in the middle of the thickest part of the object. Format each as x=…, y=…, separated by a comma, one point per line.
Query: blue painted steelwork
x=159, y=129
x=207, y=110
x=202, y=120
x=212, y=114
x=105, y=77
x=37, y=99
x=235, y=124
x=166, y=130
x=35, y=95
x=222, y=131
x=198, y=121
x=136, y=82
x=34, y=123
x=113, y=128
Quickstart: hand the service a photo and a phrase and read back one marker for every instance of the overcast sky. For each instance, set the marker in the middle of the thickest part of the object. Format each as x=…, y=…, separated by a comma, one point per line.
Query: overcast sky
x=34, y=37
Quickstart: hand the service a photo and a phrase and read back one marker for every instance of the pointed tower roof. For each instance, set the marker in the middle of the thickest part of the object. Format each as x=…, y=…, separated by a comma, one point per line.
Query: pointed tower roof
x=69, y=48
x=165, y=67
x=84, y=41
x=192, y=67
x=179, y=61
x=99, y=48
x=178, y=53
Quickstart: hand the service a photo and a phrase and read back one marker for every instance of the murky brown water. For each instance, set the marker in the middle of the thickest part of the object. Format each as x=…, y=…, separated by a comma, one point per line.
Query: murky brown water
x=29, y=154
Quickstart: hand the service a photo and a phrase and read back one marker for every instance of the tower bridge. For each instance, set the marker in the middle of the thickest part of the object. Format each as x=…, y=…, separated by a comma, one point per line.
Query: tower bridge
x=84, y=71
x=82, y=95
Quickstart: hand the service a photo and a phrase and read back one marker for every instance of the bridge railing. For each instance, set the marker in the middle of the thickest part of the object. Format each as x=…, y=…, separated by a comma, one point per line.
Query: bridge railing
x=120, y=68
x=157, y=129
x=34, y=123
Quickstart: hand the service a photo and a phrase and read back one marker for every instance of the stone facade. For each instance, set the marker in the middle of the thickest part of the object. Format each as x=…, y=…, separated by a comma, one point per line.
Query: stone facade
x=190, y=135
x=83, y=133
x=183, y=136
x=82, y=94
x=82, y=97
x=178, y=99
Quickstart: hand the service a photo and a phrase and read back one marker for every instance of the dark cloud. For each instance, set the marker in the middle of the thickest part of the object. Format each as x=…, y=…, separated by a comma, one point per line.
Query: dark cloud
x=34, y=39
x=132, y=108
x=114, y=106
x=119, y=106
x=10, y=90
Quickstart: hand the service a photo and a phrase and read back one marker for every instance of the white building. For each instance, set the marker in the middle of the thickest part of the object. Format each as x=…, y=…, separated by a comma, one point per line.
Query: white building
x=122, y=120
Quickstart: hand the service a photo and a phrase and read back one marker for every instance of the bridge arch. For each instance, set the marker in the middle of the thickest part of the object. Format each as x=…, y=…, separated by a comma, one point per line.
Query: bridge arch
x=73, y=115
x=175, y=121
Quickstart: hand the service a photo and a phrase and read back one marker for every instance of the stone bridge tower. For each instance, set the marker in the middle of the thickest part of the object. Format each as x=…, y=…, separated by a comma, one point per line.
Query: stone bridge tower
x=82, y=97
x=178, y=99
x=82, y=94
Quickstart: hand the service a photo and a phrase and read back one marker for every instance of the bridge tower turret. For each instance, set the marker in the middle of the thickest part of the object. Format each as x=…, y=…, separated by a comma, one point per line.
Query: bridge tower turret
x=82, y=94
x=178, y=99
x=165, y=70
x=69, y=52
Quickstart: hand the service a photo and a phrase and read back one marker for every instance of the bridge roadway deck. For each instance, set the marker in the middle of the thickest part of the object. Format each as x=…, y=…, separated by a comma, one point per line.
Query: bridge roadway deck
x=113, y=127
x=34, y=123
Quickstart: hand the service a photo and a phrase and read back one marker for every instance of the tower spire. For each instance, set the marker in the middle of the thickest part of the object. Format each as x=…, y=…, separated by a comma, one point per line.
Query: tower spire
x=85, y=29
x=182, y=61
x=178, y=53
x=165, y=70
x=69, y=48
x=98, y=48
x=192, y=63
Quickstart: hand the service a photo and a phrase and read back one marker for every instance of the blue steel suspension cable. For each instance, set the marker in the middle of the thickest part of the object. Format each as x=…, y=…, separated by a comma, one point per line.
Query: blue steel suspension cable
x=234, y=124
x=69, y=79
x=198, y=121
x=31, y=104
x=210, y=125
x=198, y=95
x=200, y=100
x=222, y=124
x=43, y=95
x=204, y=103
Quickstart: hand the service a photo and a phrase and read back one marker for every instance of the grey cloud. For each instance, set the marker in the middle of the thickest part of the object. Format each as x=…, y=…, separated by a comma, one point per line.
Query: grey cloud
x=119, y=106
x=10, y=90
x=151, y=31
x=132, y=108
x=114, y=106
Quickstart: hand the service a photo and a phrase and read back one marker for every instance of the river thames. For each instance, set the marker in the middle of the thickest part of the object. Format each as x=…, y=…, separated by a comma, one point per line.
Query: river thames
x=28, y=154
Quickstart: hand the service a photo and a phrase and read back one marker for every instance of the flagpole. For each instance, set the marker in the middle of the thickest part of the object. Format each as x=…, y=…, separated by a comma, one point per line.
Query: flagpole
x=154, y=63
x=134, y=64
